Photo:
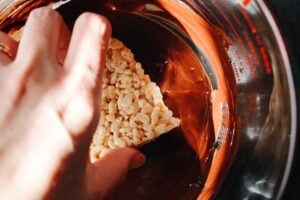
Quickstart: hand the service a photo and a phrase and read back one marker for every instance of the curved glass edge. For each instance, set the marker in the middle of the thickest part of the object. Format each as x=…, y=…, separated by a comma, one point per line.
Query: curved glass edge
x=180, y=34
x=282, y=48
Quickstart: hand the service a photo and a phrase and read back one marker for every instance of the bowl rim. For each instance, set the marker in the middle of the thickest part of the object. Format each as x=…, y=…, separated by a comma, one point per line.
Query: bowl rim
x=292, y=94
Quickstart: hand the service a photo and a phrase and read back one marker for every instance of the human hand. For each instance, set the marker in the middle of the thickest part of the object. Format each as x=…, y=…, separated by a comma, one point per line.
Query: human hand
x=49, y=88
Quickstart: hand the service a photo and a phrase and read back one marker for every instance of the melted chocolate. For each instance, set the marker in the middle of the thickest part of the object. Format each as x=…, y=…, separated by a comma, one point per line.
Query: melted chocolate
x=207, y=38
x=200, y=153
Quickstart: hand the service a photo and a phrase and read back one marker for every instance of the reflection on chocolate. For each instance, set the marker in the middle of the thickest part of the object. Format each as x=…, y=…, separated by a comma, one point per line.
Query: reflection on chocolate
x=224, y=115
x=176, y=168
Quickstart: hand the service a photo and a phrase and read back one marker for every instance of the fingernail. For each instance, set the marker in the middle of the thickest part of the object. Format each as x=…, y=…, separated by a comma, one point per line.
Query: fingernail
x=137, y=161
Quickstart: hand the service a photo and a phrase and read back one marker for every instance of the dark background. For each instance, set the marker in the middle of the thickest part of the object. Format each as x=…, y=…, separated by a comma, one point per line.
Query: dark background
x=287, y=14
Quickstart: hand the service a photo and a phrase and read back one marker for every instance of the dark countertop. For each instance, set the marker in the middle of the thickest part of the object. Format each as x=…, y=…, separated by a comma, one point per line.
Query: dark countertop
x=287, y=14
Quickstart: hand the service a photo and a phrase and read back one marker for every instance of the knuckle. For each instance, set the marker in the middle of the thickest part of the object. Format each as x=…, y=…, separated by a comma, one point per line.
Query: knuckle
x=78, y=116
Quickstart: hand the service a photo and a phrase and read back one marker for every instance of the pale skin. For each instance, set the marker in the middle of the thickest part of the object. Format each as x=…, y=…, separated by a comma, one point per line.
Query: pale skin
x=49, y=92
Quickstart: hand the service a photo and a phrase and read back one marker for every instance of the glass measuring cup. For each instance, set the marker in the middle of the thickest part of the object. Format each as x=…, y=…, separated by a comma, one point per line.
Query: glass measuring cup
x=264, y=89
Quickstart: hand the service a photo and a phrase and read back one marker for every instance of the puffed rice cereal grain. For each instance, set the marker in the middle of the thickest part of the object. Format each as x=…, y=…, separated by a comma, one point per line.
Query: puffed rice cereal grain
x=132, y=109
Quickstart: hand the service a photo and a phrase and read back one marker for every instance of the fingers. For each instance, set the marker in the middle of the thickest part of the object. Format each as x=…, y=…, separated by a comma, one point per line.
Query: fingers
x=42, y=37
x=84, y=65
x=104, y=175
x=90, y=36
x=8, y=49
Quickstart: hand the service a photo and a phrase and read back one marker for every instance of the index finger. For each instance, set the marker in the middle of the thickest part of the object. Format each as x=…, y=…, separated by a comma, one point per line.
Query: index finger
x=88, y=43
x=84, y=64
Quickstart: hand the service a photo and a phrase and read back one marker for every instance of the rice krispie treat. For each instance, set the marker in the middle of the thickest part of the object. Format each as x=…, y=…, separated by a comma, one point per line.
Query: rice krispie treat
x=132, y=109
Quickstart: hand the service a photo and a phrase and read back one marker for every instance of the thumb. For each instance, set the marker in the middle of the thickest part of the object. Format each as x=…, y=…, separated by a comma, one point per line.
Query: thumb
x=105, y=174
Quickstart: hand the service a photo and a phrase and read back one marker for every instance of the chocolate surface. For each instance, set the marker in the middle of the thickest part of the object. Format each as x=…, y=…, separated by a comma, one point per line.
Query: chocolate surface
x=201, y=94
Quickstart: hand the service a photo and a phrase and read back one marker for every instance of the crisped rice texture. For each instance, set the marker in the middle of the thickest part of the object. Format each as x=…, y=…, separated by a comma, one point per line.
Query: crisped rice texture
x=132, y=109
